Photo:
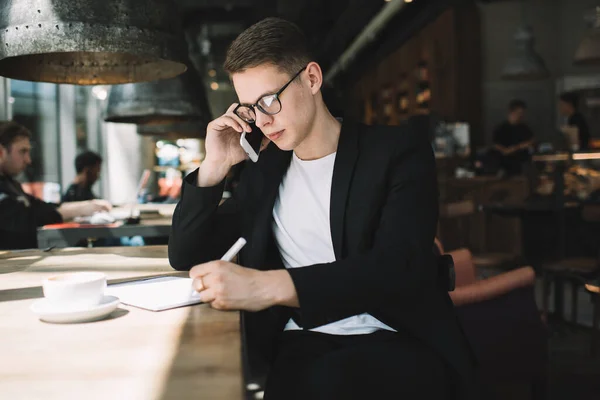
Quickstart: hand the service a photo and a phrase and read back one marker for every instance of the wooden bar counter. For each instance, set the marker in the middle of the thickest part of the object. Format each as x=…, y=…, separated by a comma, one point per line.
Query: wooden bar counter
x=185, y=353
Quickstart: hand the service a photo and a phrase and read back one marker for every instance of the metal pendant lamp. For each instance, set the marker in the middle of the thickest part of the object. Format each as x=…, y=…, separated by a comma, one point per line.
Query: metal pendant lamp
x=588, y=51
x=181, y=130
x=89, y=42
x=165, y=102
x=525, y=63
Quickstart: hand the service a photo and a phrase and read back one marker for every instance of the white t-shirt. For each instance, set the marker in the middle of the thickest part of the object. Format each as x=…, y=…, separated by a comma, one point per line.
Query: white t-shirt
x=303, y=234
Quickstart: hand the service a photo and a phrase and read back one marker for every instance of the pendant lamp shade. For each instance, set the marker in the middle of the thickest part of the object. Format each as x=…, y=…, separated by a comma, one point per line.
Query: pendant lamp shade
x=181, y=130
x=89, y=42
x=164, y=102
x=588, y=51
x=525, y=63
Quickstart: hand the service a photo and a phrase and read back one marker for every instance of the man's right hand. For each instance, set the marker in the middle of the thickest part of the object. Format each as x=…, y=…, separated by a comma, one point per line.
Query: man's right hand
x=90, y=207
x=223, y=149
x=86, y=208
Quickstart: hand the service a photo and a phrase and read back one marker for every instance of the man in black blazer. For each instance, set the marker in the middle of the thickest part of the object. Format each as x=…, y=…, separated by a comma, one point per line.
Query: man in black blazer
x=338, y=283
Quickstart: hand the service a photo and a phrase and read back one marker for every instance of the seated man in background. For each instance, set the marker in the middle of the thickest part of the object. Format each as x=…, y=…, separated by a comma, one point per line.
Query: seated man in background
x=513, y=139
x=87, y=166
x=21, y=214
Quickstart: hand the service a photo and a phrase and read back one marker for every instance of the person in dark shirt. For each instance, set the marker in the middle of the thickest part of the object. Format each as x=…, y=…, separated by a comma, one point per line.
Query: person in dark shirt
x=567, y=107
x=513, y=139
x=87, y=166
x=20, y=213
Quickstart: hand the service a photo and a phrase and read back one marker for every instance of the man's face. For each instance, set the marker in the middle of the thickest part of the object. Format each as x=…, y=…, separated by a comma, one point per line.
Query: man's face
x=516, y=116
x=15, y=160
x=288, y=128
x=92, y=174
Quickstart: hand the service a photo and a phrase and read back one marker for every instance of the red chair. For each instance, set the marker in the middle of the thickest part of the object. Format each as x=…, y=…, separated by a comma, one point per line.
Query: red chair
x=501, y=320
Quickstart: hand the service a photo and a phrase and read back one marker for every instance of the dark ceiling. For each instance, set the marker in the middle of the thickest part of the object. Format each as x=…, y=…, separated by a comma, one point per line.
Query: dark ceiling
x=330, y=25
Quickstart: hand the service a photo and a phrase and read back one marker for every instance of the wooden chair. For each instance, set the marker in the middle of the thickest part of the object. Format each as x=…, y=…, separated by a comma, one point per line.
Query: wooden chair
x=460, y=212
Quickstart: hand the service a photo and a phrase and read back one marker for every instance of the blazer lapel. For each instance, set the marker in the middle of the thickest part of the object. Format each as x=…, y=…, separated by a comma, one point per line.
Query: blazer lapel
x=273, y=168
x=343, y=169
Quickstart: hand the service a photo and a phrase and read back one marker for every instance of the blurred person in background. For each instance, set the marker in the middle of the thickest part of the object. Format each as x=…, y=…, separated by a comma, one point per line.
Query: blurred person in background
x=20, y=213
x=87, y=166
x=513, y=139
x=576, y=126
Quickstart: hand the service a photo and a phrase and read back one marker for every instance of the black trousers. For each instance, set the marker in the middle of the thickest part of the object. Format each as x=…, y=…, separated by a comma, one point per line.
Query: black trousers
x=381, y=365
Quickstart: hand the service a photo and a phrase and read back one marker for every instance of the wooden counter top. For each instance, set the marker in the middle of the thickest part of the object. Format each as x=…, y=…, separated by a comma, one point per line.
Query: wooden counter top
x=190, y=352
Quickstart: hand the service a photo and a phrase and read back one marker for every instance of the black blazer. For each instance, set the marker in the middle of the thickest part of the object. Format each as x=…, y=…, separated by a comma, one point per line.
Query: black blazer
x=384, y=210
x=21, y=214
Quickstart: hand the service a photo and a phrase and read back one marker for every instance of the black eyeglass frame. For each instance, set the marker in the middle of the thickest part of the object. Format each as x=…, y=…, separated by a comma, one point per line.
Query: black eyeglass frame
x=252, y=107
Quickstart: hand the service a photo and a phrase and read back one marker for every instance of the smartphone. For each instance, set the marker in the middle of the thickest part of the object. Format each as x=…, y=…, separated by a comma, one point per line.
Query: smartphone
x=251, y=141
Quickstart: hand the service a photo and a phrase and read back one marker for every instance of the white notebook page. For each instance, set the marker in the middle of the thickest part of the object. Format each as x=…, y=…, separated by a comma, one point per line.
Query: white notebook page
x=156, y=294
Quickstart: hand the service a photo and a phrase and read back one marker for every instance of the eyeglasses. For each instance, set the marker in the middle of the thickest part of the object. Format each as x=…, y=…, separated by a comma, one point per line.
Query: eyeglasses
x=269, y=104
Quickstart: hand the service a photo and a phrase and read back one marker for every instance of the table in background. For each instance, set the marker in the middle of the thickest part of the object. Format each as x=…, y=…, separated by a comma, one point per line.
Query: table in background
x=67, y=235
x=184, y=353
x=484, y=233
x=546, y=207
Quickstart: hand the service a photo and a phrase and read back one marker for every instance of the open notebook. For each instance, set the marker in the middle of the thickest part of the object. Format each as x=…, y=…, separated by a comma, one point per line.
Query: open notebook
x=156, y=294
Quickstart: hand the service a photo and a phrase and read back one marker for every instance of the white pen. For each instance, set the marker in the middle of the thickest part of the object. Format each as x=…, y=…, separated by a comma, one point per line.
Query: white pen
x=228, y=256
x=232, y=252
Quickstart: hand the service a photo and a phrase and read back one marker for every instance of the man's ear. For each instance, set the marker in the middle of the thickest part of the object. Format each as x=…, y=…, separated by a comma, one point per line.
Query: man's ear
x=3, y=151
x=315, y=76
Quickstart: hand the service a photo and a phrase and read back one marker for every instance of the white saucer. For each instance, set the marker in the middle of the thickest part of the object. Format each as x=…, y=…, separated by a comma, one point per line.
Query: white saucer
x=48, y=313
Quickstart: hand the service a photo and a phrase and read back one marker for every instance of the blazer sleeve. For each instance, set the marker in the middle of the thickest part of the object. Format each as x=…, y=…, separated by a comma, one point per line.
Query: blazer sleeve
x=399, y=266
x=19, y=222
x=201, y=230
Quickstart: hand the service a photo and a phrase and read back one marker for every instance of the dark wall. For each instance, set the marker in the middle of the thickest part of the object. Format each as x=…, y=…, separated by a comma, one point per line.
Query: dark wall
x=558, y=26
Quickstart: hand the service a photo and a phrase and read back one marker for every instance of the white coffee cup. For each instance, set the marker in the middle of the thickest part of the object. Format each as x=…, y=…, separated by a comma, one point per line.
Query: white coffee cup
x=75, y=290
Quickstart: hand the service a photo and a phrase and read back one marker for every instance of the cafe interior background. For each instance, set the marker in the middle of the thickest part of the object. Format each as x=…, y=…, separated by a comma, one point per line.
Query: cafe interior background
x=450, y=66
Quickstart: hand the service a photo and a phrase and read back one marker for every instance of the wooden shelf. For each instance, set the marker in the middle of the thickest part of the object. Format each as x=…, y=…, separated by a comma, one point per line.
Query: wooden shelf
x=443, y=59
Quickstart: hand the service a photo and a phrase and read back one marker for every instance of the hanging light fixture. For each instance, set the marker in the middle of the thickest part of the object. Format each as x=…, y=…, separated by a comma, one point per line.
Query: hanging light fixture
x=162, y=102
x=588, y=51
x=526, y=63
x=90, y=42
x=181, y=130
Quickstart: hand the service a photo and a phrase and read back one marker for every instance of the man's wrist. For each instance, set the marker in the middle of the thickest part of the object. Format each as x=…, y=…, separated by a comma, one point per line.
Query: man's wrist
x=280, y=289
x=212, y=173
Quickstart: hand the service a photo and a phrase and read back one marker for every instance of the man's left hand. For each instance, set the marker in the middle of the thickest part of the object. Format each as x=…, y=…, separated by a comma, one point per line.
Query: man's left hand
x=228, y=286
